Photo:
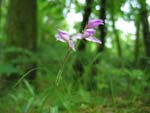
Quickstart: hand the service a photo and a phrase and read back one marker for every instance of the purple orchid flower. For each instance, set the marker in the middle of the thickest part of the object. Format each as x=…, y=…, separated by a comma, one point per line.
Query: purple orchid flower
x=95, y=23
x=88, y=35
x=93, y=39
x=63, y=36
x=88, y=32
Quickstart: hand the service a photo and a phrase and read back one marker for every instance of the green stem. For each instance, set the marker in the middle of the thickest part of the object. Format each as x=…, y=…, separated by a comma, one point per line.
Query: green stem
x=59, y=77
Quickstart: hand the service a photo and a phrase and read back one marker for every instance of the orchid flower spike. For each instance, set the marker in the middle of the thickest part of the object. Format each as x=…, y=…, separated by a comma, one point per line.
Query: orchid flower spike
x=63, y=36
x=94, y=23
x=88, y=34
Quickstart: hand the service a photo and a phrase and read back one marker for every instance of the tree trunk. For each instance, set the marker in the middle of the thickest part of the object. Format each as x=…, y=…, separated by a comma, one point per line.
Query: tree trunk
x=102, y=28
x=146, y=35
x=86, y=15
x=22, y=33
x=136, y=50
x=78, y=66
x=0, y=11
x=145, y=25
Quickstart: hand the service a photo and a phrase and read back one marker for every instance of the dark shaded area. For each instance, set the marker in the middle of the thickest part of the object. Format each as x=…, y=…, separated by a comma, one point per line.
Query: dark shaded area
x=22, y=34
x=102, y=29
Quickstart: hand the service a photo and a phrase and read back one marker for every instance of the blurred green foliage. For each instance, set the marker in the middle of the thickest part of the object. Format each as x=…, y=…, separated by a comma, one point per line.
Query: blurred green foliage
x=120, y=89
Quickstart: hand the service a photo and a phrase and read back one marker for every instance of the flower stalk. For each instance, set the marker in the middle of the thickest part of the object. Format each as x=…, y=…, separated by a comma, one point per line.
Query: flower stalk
x=87, y=34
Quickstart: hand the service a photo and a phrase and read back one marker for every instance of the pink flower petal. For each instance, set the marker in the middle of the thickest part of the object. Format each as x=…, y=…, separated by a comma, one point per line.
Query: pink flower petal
x=88, y=32
x=93, y=39
x=94, y=23
x=58, y=38
x=63, y=35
